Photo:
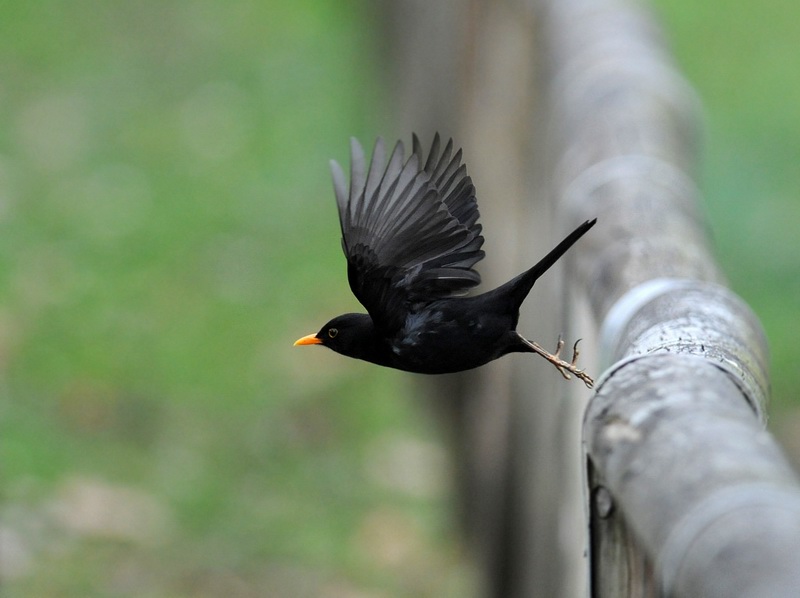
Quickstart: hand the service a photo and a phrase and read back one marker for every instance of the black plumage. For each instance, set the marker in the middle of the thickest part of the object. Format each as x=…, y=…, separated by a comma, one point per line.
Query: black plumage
x=411, y=237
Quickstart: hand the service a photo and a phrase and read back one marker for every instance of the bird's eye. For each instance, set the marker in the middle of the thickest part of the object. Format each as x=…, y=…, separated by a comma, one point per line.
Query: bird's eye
x=332, y=332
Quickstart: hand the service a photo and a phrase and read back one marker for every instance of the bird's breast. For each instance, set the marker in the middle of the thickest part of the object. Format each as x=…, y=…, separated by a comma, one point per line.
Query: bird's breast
x=442, y=341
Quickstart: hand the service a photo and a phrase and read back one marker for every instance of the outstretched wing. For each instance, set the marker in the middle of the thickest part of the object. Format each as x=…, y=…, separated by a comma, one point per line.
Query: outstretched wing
x=409, y=228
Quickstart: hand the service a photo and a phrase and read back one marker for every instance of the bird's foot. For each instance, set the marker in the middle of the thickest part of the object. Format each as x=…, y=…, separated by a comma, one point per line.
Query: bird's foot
x=565, y=367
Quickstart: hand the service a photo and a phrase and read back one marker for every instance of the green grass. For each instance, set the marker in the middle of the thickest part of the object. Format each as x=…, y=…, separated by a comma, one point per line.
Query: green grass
x=167, y=229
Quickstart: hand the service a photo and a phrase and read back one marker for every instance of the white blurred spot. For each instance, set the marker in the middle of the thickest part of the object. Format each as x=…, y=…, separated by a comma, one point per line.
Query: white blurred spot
x=94, y=508
x=408, y=465
x=17, y=560
x=390, y=538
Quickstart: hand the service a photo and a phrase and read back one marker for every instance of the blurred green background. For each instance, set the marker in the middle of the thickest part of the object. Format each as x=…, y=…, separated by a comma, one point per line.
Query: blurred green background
x=167, y=229
x=743, y=58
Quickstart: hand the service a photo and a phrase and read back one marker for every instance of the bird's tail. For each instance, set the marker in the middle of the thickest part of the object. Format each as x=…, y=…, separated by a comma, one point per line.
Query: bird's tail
x=519, y=287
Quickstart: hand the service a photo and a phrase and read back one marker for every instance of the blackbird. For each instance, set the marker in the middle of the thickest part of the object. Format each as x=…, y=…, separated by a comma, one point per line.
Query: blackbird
x=411, y=236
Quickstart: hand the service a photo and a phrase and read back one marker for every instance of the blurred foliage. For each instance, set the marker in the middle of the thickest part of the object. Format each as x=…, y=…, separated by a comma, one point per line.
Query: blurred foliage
x=167, y=229
x=742, y=59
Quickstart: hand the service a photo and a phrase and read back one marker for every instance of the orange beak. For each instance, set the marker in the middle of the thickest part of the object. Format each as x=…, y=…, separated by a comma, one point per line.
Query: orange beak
x=311, y=339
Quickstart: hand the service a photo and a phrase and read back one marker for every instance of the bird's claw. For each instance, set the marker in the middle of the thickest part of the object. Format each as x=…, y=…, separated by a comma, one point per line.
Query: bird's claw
x=564, y=367
x=559, y=346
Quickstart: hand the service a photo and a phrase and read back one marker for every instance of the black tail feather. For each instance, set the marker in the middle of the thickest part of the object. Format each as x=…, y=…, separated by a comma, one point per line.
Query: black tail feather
x=520, y=286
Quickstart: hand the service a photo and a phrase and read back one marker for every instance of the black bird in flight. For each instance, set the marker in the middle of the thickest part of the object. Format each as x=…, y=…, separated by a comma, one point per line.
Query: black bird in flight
x=411, y=236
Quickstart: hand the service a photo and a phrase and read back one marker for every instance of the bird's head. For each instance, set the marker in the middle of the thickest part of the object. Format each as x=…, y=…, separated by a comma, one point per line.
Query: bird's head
x=348, y=334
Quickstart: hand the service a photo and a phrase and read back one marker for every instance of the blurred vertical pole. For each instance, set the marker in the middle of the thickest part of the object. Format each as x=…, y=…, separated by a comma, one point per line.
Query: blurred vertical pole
x=469, y=70
x=574, y=106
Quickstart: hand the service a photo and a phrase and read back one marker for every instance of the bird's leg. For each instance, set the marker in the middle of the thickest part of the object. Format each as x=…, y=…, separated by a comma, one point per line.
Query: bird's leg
x=565, y=367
